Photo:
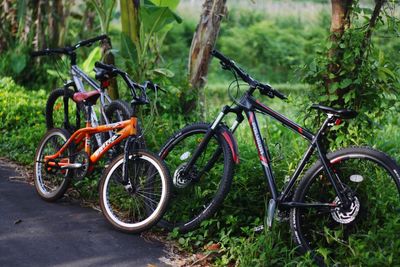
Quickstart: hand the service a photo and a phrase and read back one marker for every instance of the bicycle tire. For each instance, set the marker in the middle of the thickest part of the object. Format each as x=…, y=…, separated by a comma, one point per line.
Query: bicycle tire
x=55, y=103
x=121, y=212
x=195, y=201
x=338, y=226
x=62, y=180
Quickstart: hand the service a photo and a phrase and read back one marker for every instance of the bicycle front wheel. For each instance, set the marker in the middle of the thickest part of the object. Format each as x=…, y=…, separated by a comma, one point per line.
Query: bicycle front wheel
x=362, y=231
x=197, y=195
x=50, y=182
x=137, y=204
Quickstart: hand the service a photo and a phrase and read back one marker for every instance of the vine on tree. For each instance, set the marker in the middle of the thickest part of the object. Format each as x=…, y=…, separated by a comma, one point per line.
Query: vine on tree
x=362, y=79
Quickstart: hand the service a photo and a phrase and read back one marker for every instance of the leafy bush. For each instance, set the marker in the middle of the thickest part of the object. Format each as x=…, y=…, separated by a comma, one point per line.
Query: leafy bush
x=22, y=121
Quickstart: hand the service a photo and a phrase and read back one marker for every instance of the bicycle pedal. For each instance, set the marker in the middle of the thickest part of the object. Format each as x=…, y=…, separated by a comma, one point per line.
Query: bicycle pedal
x=258, y=229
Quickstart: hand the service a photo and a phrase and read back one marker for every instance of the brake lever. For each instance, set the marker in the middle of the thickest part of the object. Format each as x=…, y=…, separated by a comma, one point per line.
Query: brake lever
x=224, y=66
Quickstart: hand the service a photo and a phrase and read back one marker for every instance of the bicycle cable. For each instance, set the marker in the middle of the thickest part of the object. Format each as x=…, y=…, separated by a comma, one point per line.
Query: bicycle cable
x=59, y=67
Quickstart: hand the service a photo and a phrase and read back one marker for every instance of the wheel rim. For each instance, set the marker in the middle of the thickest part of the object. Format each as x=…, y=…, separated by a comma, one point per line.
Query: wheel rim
x=48, y=183
x=192, y=195
x=137, y=208
x=375, y=209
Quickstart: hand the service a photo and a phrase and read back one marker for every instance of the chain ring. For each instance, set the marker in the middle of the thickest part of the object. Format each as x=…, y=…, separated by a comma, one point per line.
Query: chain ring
x=50, y=169
x=83, y=158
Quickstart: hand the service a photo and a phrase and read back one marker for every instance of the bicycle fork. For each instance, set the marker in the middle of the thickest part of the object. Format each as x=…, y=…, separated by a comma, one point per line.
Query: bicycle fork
x=211, y=131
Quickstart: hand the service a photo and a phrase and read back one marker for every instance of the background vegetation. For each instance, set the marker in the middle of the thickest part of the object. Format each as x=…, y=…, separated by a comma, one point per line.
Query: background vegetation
x=280, y=42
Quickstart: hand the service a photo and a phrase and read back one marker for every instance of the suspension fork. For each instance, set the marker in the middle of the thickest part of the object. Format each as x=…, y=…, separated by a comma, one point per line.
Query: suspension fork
x=207, y=138
x=127, y=151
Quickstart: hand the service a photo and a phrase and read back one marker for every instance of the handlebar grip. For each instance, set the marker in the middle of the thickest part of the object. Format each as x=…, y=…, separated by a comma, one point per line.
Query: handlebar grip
x=266, y=89
x=39, y=53
x=221, y=57
x=280, y=95
x=92, y=40
x=49, y=51
x=103, y=66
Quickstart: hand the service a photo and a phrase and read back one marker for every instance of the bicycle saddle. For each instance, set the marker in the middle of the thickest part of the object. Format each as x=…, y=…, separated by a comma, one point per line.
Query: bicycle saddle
x=88, y=98
x=341, y=113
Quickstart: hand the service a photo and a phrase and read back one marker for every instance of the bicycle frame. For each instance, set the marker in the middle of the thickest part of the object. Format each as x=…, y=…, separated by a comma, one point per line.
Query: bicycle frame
x=127, y=128
x=78, y=77
x=249, y=105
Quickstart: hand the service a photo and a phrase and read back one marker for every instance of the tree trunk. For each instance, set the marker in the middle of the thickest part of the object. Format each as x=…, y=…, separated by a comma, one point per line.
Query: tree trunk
x=130, y=19
x=39, y=36
x=203, y=42
x=339, y=22
x=108, y=58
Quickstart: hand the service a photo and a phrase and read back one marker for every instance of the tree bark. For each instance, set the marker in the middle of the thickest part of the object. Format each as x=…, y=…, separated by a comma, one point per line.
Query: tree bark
x=339, y=23
x=130, y=19
x=108, y=58
x=39, y=36
x=203, y=42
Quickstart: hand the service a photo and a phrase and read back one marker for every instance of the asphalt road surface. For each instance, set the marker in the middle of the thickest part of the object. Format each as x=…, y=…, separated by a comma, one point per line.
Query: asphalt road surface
x=36, y=233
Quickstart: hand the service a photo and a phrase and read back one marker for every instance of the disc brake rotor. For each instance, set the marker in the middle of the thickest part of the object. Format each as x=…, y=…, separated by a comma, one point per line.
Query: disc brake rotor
x=346, y=216
x=180, y=180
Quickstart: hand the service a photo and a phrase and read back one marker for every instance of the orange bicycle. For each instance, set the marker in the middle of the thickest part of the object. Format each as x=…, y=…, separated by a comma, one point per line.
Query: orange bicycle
x=135, y=187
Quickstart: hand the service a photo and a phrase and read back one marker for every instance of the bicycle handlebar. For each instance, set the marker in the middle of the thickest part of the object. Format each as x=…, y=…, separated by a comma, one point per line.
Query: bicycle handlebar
x=89, y=42
x=131, y=84
x=49, y=51
x=265, y=89
x=106, y=67
x=68, y=50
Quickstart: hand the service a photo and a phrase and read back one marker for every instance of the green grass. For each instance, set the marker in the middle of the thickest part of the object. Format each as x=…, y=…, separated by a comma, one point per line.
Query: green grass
x=22, y=126
x=244, y=206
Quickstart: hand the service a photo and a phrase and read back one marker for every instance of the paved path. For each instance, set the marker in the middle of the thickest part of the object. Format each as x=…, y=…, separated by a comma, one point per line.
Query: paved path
x=36, y=233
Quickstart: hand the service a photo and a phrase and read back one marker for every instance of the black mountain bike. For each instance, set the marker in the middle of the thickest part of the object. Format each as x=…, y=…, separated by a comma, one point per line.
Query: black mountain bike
x=340, y=198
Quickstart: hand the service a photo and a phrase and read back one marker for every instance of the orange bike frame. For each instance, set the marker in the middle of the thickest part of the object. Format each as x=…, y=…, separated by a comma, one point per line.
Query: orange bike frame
x=128, y=128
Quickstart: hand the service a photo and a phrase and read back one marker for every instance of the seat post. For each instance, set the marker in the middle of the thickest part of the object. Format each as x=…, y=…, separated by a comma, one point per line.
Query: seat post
x=88, y=114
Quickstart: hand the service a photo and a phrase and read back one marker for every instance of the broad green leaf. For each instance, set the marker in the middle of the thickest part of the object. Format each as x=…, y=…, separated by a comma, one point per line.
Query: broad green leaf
x=18, y=62
x=93, y=56
x=345, y=83
x=172, y=4
x=333, y=87
x=128, y=48
x=165, y=72
x=154, y=18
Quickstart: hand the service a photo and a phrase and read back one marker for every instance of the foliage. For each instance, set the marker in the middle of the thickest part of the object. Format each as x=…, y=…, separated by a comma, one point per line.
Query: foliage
x=104, y=11
x=140, y=48
x=282, y=43
x=366, y=80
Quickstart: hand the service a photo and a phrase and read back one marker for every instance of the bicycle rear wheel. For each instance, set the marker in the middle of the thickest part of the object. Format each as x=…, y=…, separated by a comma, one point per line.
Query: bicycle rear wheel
x=51, y=183
x=197, y=195
x=119, y=110
x=55, y=107
x=139, y=203
x=335, y=235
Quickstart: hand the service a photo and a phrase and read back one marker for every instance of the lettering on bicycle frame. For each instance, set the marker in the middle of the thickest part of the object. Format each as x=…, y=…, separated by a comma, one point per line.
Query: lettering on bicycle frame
x=259, y=143
x=106, y=143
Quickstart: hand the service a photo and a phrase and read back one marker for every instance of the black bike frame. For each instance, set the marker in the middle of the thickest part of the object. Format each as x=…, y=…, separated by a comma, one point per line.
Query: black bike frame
x=249, y=105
